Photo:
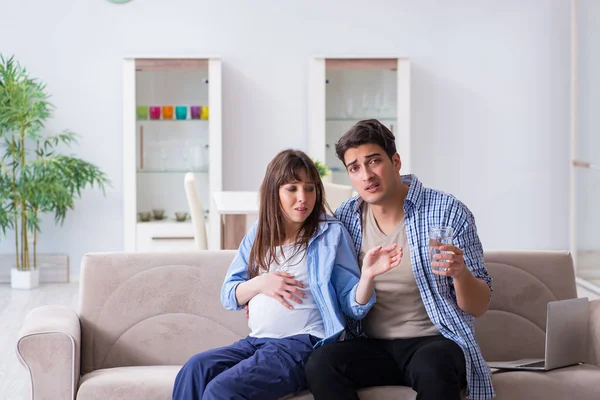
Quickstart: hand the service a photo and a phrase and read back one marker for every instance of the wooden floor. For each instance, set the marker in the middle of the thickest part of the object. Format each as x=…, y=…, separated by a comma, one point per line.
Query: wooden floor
x=14, y=306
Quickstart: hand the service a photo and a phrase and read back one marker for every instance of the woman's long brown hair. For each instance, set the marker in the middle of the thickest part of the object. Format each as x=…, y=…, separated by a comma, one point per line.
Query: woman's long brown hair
x=283, y=169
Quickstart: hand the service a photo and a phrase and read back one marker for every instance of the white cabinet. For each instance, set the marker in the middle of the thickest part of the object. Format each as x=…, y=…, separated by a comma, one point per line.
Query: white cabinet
x=344, y=90
x=164, y=236
x=172, y=111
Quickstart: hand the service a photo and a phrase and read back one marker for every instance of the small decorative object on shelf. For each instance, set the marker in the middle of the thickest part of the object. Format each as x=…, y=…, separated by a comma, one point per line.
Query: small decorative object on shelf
x=158, y=213
x=154, y=112
x=204, y=112
x=181, y=216
x=145, y=216
x=195, y=112
x=167, y=112
x=142, y=112
x=181, y=112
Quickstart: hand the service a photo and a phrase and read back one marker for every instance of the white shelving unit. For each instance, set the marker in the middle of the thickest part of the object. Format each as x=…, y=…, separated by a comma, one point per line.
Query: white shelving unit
x=157, y=153
x=344, y=90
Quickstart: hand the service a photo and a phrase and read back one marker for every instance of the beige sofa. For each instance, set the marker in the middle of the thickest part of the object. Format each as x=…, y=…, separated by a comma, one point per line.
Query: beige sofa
x=142, y=315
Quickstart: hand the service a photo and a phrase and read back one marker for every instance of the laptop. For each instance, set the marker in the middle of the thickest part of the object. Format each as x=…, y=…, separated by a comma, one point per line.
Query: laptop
x=566, y=338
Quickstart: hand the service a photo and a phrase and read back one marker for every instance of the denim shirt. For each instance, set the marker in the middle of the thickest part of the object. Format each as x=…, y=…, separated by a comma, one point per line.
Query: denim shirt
x=333, y=276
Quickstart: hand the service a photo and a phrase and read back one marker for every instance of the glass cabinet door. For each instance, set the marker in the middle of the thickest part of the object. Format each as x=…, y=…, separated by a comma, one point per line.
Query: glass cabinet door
x=353, y=95
x=344, y=91
x=172, y=134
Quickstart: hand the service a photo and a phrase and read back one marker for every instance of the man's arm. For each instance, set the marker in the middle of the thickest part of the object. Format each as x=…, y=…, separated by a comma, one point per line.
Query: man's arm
x=472, y=294
x=471, y=281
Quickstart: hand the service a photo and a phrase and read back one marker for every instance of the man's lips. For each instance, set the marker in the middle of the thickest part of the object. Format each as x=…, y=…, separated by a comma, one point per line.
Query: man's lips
x=371, y=187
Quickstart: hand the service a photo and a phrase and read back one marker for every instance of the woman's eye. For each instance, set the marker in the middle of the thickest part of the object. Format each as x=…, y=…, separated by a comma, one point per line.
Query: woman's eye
x=310, y=189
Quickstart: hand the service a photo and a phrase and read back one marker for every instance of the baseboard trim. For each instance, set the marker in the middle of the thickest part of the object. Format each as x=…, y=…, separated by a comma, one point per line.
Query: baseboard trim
x=54, y=268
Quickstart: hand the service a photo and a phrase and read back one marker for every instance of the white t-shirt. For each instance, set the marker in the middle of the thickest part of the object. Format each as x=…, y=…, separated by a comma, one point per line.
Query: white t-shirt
x=268, y=318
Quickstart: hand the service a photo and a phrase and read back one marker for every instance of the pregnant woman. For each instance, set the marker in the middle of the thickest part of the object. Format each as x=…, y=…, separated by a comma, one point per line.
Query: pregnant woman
x=296, y=270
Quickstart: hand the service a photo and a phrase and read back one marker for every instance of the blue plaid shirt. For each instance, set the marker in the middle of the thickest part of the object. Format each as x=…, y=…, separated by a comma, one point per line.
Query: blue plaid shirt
x=426, y=207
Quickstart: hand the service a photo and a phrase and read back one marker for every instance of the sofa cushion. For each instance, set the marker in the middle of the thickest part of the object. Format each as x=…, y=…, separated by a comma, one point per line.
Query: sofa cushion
x=374, y=393
x=580, y=382
x=156, y=383
x=126, y=383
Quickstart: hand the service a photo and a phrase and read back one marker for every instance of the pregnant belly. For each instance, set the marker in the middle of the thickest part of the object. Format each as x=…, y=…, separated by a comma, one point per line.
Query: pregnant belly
x=269, y=318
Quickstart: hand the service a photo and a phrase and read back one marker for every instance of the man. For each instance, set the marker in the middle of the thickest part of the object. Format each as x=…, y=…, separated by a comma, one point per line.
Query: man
x=420, y=331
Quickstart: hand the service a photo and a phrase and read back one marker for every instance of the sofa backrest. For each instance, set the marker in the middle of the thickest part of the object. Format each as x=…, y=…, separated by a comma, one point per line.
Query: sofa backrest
x=154, y=308
x=161, y=308
x=523, y=283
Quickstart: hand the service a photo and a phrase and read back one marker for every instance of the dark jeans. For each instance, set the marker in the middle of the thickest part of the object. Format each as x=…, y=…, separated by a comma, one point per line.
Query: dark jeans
x=433, y=366
x=253, y=368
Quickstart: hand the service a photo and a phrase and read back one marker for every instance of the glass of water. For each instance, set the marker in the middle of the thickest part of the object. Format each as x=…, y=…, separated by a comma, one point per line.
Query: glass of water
x=438, y=236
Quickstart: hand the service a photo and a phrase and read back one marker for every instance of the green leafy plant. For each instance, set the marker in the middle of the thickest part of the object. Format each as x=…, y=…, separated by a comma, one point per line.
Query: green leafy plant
x=34, y=177
x=322, y=168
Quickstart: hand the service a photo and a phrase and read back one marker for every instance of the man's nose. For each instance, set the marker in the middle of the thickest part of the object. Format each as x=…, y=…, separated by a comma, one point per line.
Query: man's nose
x=367, y=174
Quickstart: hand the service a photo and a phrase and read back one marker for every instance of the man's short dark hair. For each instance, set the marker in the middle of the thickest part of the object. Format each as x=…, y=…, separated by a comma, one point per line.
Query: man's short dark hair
x=369, y=131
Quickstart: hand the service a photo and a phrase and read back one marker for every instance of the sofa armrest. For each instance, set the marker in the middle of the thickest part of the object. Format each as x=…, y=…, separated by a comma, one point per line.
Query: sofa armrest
x=49, y=346
x=594, y=333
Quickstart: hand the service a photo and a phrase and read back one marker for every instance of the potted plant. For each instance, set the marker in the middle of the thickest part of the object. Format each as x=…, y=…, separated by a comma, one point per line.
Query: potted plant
x=35, y=178
x=324, y=170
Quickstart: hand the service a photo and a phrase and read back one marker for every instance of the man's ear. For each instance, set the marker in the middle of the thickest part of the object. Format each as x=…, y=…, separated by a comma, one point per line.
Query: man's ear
x=396, y=162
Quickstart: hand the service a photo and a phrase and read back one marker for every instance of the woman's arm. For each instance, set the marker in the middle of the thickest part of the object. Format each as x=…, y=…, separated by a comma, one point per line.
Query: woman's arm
x=278, y=285
x=238, y=289
x=377, y=261
x=238, y=272
x=346, y=277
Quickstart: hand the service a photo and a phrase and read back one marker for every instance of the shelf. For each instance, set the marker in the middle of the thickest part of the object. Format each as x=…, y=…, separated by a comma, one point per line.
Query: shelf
x=165, y=221
x=153, y=121
x=172, y=171
x=359, y=119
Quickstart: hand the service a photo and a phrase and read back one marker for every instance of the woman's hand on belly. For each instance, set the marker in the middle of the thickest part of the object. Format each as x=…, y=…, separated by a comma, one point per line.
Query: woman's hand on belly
x=282, y=287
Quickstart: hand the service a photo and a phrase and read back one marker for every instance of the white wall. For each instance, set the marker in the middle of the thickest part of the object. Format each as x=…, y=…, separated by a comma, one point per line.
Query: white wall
x=490, y=87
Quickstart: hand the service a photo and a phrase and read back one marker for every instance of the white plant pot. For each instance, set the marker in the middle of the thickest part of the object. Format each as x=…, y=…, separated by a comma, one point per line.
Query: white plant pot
x=24, y=279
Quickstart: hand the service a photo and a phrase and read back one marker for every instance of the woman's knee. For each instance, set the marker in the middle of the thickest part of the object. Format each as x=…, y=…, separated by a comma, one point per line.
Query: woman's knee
x=197, y=365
